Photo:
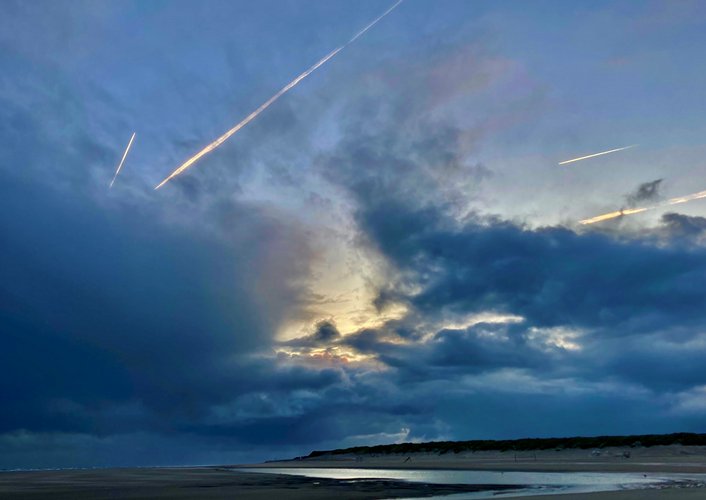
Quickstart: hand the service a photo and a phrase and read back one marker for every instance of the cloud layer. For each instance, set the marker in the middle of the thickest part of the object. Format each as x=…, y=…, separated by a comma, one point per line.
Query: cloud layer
x=138, y=329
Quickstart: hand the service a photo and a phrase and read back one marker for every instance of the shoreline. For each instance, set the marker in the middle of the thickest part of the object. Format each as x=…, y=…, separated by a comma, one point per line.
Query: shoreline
x=636, y=468
x=214, y=483
x=229, y=481
x=220, y=483
x=672, y=459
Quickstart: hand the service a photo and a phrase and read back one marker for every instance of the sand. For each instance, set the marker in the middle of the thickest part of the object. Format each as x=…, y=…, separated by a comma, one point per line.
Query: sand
x=667, y=494
x=653, y=460
x=224, y=482
x=202, y=483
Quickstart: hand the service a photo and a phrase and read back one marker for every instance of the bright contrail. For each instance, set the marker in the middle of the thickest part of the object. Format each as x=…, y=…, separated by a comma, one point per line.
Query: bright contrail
x=122, y=160
x=596, y=154
x=188, y=163
x=631, y=211
x=613, y=215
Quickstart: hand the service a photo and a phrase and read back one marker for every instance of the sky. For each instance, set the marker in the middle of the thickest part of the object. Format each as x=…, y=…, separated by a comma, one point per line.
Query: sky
x=390, y=252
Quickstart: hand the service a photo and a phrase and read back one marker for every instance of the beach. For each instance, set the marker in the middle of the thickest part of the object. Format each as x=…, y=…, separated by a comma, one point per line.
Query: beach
x=237, y=481
x=666, y=494
x=652, y=460
x=202, y=482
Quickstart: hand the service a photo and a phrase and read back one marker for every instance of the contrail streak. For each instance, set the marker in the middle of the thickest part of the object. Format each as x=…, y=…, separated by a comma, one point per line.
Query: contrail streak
x=631, y=211
x=684, y=199
x=188, y=163
x=373, y=23
x=122, y=160
x=596, y=154
x=613, y=215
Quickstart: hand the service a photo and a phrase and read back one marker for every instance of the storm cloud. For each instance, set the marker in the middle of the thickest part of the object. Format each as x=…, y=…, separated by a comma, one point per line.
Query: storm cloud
x=141, y=329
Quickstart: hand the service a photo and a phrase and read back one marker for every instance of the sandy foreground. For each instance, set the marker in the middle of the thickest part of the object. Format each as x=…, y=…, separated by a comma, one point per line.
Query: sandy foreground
x=202, y=482
x=224, y=482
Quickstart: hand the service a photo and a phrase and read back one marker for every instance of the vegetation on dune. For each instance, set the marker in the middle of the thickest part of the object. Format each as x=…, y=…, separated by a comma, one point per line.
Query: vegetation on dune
x=527, y=444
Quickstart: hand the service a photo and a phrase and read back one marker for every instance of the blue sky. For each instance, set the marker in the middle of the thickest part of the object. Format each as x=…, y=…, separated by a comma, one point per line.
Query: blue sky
x=389, y=252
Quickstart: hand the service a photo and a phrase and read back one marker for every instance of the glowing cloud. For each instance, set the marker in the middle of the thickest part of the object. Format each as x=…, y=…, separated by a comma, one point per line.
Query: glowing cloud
x=613, y=215
x=596, y=154
x=117, y=171
x=210, y=147
x=631, y=211
x=684, y=199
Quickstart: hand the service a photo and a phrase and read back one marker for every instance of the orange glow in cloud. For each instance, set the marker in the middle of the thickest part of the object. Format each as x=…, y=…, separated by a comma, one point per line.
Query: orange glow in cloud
x=613, y=215
x=631, y=211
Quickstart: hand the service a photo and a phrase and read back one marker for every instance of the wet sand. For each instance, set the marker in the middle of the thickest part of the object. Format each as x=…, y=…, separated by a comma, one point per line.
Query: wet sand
x=666, y=494
x=203, y=482
x=652, y=461
x=224, y=482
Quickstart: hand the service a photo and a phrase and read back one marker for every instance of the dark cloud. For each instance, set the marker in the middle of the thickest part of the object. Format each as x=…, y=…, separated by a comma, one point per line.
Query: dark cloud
x=480, y=347
x=645, y=192
x=463, y=263
x=140, y=328
x=684, y=226
x=604, y=314
x=120, y=319
x=648, y=361
x=551, y=276
x=325, y=334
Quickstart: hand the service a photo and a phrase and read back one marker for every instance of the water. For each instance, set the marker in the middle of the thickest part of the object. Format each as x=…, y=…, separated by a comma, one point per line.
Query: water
x=538, y=483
